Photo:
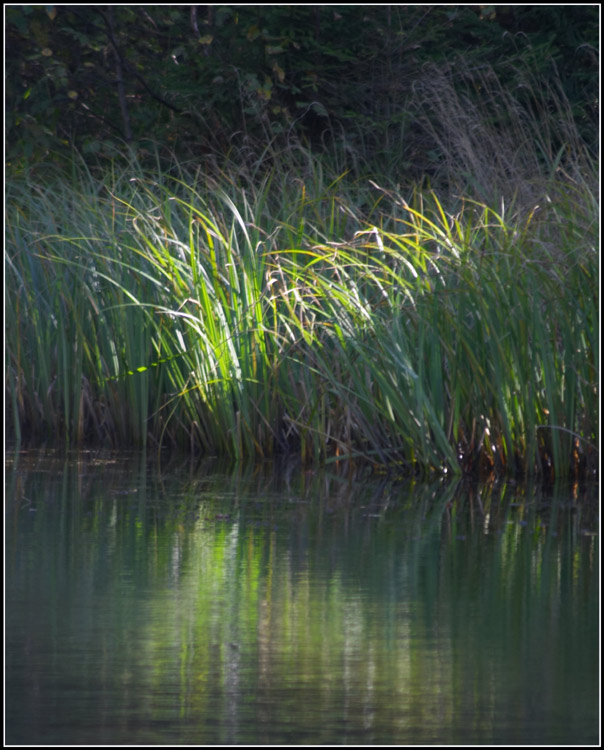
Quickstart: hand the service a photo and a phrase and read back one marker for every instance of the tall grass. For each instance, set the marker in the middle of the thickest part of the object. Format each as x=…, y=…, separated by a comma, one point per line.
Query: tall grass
x=262, y=310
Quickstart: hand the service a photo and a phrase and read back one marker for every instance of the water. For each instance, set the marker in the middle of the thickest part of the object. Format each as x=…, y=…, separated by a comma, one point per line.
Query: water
x=189, y=605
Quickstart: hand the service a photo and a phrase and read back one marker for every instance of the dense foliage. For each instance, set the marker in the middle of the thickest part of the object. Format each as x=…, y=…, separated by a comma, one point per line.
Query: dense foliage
x=334, y=231
x=213, y=77
x=248, y=319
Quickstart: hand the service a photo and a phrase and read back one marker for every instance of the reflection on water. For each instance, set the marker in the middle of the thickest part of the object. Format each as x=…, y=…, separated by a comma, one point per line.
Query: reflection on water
x=186, y=605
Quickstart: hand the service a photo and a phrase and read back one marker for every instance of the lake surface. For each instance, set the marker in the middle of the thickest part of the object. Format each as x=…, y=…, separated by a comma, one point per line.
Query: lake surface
x=173, y=603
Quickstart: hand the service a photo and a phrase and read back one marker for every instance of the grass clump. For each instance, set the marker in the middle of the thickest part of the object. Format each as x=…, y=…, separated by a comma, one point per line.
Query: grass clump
x=287, y=308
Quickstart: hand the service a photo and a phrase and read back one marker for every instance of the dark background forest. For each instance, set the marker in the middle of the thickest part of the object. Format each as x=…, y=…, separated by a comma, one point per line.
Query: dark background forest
x=221, y=79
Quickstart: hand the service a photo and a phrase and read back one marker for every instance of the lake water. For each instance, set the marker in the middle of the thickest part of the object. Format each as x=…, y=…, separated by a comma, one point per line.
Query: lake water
x=173, y=603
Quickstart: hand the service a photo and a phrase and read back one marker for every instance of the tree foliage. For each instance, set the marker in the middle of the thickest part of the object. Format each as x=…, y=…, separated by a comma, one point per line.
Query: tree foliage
x=211, y=77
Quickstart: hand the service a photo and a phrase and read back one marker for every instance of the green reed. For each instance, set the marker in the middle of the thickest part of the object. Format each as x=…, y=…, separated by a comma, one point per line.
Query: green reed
x=250, y=315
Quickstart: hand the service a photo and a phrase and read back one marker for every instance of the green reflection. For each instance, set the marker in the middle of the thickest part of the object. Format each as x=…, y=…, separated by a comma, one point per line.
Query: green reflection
x=150, y=605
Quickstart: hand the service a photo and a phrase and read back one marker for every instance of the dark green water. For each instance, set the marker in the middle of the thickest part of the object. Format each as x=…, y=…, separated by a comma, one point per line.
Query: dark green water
x=186, y=605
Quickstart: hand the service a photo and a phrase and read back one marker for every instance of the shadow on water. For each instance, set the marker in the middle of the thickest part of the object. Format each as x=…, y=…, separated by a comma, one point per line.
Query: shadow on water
x=177, y=602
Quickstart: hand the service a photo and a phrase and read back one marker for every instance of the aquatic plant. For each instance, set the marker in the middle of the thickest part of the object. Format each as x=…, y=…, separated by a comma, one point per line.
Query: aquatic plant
x=269, y=301
x=248, y=317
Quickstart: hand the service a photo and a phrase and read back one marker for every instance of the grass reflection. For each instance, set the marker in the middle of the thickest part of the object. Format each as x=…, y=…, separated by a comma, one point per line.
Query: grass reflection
x=262, y=607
